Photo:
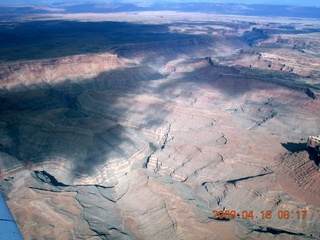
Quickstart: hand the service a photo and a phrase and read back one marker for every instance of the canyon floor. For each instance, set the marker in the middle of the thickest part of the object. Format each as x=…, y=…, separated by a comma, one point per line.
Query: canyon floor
x=142, y=125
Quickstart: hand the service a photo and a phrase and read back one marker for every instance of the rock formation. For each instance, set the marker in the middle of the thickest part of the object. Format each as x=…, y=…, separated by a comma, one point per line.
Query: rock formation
x=147, y=140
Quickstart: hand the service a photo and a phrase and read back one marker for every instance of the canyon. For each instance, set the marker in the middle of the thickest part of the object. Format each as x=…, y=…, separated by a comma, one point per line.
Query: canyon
x=145, y=137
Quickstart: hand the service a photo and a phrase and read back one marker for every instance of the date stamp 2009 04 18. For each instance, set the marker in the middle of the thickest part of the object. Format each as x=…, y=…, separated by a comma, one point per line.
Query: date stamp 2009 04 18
x=264, y=214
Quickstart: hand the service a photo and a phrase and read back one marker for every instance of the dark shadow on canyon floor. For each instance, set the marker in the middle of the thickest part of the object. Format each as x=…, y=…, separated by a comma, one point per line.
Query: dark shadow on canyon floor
x=42, y=39
x=299, y=147
x=58, y=38
x=294, y=147
x=314, y=156
x=76, y=122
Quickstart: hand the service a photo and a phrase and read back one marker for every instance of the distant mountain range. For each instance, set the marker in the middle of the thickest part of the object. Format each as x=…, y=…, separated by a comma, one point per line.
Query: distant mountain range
x=231, y=9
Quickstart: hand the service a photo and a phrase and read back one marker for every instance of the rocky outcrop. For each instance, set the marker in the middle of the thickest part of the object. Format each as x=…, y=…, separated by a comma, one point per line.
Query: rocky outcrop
x=34, y=74
x=302, y=172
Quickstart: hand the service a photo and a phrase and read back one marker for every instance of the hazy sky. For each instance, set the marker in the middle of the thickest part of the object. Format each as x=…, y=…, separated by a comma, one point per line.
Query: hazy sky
x=278, y=2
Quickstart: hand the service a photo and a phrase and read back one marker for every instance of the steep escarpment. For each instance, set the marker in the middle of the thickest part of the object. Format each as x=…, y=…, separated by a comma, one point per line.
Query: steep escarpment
x=300, y=170
x=159, y=53
x=295, y=51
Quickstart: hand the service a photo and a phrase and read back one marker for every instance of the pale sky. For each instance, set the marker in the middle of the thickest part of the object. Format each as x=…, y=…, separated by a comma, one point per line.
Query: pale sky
x=276, y=2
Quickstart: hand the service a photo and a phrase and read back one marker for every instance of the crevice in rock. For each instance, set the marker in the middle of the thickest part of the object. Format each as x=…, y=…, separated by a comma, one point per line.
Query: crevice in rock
x=153, y=149
x=310, y=93
x=218, y=199
x=222, y=159
x=91, y=185
x=166, y=137
x=46, y=190
x=145, y=165
x=100, y=186
x=221, y=219
x=106, y=197
x=174, y=223
x=276, y=231
x=121, y=196
x=247, y=178
x=45, y=177
x=272, y=114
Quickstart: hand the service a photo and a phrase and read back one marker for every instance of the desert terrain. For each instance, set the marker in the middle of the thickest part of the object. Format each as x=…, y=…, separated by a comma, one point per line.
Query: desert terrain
x=142, y=124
